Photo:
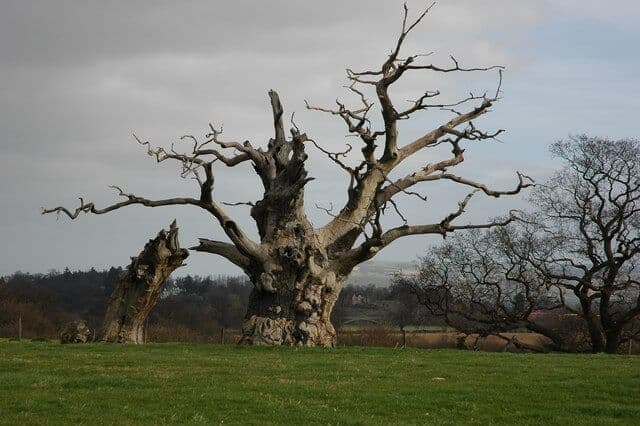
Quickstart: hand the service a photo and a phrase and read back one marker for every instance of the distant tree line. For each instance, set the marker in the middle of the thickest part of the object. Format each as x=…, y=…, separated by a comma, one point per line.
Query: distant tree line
x=45, y=302
x=192, y=308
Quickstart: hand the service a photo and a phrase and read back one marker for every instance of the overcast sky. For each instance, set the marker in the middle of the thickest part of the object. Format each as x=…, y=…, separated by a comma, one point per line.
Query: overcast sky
x=77, y=78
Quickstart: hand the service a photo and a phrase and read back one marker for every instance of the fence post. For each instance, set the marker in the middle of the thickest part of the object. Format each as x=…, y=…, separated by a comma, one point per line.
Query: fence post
x=20, y=327
x=222, y=336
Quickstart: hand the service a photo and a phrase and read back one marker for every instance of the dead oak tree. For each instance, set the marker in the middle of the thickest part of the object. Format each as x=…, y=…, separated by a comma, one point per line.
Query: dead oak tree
x=298, y=270
x=139, y=287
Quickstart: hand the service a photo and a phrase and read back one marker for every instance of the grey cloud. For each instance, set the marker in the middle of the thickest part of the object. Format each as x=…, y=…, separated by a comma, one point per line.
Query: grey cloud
x=74, y=32
x=79, y=77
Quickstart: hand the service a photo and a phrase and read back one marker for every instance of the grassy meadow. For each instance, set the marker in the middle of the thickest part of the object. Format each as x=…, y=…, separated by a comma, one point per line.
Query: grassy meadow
x=43, y=382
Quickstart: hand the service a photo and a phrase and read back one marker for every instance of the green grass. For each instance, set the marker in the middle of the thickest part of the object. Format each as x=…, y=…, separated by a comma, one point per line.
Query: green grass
x=178, y=383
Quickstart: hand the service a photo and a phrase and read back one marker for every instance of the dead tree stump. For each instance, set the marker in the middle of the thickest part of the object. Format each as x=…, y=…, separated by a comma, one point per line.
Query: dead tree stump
x=75, y=332
x=140, y=286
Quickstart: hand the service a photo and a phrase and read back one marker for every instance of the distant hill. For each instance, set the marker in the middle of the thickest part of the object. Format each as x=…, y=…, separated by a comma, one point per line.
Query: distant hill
x=379, y=273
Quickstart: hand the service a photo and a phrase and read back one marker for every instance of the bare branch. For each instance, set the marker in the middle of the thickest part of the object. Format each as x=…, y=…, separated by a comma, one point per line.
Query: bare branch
x=226, y=250
x=131, y=199
x=241, y=203
x=248, y=247
x=524, y=181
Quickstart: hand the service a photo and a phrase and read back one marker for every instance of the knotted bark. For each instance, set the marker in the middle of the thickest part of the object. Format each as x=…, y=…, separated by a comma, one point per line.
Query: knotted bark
x=140, y=286
x=294, y=293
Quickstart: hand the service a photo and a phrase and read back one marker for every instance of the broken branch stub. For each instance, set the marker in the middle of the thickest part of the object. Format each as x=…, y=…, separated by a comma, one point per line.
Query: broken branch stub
x=139, y=287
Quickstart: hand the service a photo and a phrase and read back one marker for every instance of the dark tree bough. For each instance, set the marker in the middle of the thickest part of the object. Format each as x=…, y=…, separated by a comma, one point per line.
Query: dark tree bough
x=298, y=270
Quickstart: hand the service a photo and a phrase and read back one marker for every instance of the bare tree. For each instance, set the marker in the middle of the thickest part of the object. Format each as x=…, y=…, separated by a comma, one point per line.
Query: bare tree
x=139, y=287
x=578, y=252
x=585, y=238
x=478, y=285
x=298, y=270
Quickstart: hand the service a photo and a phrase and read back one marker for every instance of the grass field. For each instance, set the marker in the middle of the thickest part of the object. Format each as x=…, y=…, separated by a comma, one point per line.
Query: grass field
x=177, y=383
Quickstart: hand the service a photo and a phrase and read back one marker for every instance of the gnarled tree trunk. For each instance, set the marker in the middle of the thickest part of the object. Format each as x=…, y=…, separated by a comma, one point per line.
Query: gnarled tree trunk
x=292, y=304
x=295, y=286
x=140, y=286
x=298, y=270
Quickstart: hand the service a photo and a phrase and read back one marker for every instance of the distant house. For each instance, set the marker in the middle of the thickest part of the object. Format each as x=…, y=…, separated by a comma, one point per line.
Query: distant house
x=359, y=299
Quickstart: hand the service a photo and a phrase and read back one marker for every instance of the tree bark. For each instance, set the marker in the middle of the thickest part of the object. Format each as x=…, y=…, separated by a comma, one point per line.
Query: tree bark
x=140, y=286
x=613, y=341
x=593, y=326
x=287, y=328
x=294, y=292
x=299, y=316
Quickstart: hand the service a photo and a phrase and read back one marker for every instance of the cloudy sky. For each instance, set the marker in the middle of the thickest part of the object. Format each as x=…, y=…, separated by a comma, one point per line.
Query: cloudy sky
x=77, y=78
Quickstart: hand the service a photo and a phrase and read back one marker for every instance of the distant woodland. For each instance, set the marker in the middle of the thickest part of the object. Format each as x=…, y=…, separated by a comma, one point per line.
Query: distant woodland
x=192, y=308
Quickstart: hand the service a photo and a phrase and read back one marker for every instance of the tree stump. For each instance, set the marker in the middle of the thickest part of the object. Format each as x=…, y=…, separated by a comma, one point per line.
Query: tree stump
x=75, y=332
x=140, y=286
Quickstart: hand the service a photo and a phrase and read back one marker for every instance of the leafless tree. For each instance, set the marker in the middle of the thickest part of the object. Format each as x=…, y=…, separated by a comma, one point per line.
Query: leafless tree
x=585, y=238
x=578, y=252
x=298, y=270
x=478, y=285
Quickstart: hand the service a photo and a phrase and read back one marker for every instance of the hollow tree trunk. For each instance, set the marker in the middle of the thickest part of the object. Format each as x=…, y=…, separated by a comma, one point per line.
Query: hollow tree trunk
x=139, y=287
